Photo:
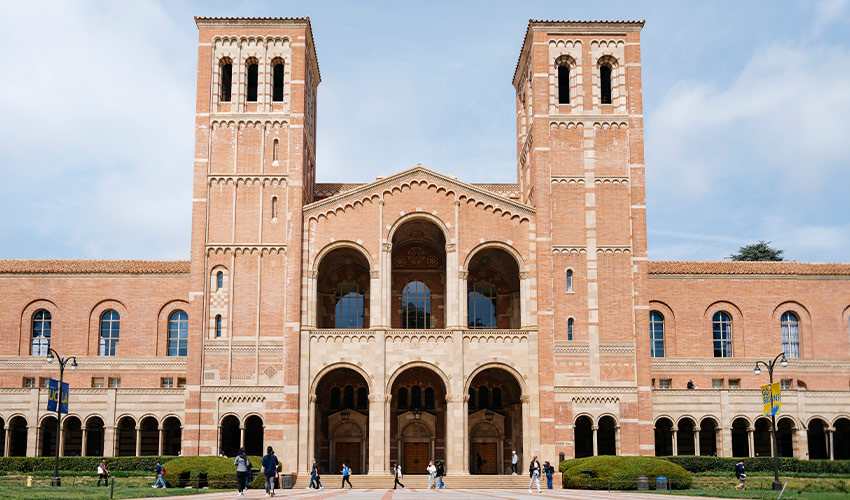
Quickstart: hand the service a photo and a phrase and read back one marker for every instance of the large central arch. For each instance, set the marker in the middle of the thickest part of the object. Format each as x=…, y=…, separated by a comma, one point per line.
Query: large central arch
x=417, y=417
x=341, y=421
x=419, y=282
x=495, y=422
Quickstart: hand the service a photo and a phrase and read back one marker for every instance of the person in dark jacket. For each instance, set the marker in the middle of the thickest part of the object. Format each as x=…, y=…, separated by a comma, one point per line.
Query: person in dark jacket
x=270, y=470
x=548, y=470
x=441, y=473
x=243, y=469
x=159, y=470
x=741, y=475
x=397, y=475
x=314, y=477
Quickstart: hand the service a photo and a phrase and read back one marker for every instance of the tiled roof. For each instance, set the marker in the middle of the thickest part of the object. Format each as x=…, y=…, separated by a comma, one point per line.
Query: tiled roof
x=80, y=266
x=750, y=268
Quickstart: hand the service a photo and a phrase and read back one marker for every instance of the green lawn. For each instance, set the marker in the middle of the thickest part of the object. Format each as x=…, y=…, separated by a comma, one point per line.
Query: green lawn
x=89, y=493
x=761, y=494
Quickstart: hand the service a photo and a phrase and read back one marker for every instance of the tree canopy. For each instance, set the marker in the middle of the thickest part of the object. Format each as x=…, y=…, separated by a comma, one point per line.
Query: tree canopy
x=760, y=251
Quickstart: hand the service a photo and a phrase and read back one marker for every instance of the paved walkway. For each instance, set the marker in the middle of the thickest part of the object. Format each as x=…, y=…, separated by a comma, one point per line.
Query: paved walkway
x=460, y=494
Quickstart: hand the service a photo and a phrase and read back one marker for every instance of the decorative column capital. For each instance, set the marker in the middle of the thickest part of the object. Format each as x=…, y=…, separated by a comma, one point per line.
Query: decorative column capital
x=463, y=275
x=594, y=428
x=450, y=247
x=379, y=398
x=313, y=397
x=456, y=398
x=524, y=275
x=374, y=274
x=525, y=398
x=387, y=247
x=312, y=274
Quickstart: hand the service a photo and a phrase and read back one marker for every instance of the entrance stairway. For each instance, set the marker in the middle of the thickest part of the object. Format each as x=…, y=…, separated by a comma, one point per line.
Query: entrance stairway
x=420, y=481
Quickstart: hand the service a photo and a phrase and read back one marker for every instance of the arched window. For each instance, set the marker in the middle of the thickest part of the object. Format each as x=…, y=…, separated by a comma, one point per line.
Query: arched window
x=277, y=82
x=416, y=306
x=563, y=84
x=218, y=326
x=402, y=398
x=219, y=280
x=790, y=335
x=253, y=76
x=178, y=333
x=482, y=306
x=348, y=397
x=605, y=83
x=348, y=312
x=570, y=323
x=497, y=398
x=483, y=397
x=274, y=207
x=362, y=398
x=471, y=394
x=416, y=397
x=226, y=81
x=656, y=334
x=335, y=398
x=429, y=398
x=276, y=149
x=110, y=323
x=722, y=329
x=569, y=280
x=41, y=333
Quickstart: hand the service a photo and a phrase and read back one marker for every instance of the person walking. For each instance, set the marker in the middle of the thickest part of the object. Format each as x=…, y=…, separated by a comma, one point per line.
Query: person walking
x=160, y=473
x=549, y=470
x=534, y=472
x=243, y=468
x=441, y=473
x=741, y=475
x=346, y=474
x=270, y=470
x=478, y=462
x=314, y=476
x=397, y=476
x=102, y=473
x=432, y=474
x=514, y=462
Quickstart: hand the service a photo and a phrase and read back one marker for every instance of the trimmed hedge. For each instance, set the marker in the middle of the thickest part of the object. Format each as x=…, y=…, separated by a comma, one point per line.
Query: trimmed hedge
x=214, y=472
x=620, y=473
x=79, y=464
x=760, y=464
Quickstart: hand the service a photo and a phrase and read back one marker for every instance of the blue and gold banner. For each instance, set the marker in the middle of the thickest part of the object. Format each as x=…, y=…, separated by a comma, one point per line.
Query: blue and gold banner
x=54, y=395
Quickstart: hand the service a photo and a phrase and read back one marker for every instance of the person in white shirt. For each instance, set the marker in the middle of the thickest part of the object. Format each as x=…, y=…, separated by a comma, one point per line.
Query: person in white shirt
x=432, y=474
x=514, y=462
x=534, y=472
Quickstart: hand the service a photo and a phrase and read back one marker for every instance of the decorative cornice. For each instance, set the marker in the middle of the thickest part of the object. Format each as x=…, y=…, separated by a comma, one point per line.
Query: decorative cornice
x=273, y=180
x=752, y=270
x=242, y=399
x=746, y=364
x=29, y=363
x=570, y=180
x=242, y=119
x=570, y=250
x=240, y=249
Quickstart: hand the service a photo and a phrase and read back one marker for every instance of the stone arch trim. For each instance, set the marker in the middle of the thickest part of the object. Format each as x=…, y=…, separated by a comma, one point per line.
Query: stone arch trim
x=418, y=364
x=693, y=420
x=723, y=305
x=610, y=415
x=44, y=417
x=92, y=416
x=817, y=417
x=27, y=314
x=794, y=306
x=658, y=418
x=794, y=424
x=252, y=414
x=342, y=364
x=584, y=414
x=520, y=262
x=229, y=414
x=712, y=418
x=147, y=415
x=95, y=314
x=839, y=417
x=330, y=247
x=502, y=366
x=163, y=315
x=745, y=418
x=442, y=226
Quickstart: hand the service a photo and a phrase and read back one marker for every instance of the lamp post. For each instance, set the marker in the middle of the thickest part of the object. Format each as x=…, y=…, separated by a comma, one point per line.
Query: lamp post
x=51, y=355
x=783, y=363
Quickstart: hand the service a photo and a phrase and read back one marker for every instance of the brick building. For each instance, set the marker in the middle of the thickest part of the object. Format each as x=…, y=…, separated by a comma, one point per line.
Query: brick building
x=419, y=316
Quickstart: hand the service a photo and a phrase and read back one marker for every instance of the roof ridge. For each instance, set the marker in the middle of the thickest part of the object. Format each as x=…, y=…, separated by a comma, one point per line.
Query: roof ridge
x=93, y=266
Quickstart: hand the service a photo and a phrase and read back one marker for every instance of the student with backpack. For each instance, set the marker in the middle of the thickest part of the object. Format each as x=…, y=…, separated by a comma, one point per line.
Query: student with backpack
x=270, y=470
x=160, y=474
x=243, y=470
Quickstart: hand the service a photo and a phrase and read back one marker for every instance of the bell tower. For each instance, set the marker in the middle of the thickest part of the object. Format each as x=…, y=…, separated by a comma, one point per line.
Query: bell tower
x=255, y=151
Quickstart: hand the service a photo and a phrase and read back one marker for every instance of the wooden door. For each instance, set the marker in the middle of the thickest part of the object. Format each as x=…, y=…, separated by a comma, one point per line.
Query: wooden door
x=416, y=457
x=489, y=456
x=348, y=453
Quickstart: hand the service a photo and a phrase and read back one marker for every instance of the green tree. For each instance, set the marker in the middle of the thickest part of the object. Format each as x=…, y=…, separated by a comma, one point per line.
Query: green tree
x=758, y=251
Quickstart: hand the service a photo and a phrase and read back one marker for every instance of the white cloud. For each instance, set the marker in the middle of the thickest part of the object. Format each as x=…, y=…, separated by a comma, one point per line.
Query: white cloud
x=828, y=12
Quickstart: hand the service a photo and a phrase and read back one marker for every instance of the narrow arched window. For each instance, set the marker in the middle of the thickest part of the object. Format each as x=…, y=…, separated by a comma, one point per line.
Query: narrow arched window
x=416, y=306
x=218, y=326
x=41, y=333
x=335, y=398
x=219, y=280
x=483, y=397
x=226, y=81
x=402, y=398
x=348, y=397
x=348, y=312
x=253, y=80
x=569, y=280
x=790, y=325
x=605, y=83
x=274, y=207
x=416, y=397
x=656, y=334
x=277, y=82
x=276, y=149
x=429, y=398
x=110, y=323
x=563, y=84
x=482, y=306
x=178, y=333
x=570, y=323
x=362, y=398
x=497, y=398
x=722, y=331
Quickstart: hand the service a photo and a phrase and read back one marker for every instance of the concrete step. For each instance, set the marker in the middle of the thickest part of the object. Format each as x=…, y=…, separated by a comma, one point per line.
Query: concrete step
x=420, y=481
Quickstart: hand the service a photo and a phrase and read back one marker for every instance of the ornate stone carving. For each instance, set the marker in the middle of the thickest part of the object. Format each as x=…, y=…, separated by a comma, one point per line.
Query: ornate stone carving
x=378, y=398
x=388, y=247
x=463, y=275
x=313, y=397
x=525, y=398
x=450, y=247
x=524, y=275
x=456, y=398
x=374, y=274
x=312, y=274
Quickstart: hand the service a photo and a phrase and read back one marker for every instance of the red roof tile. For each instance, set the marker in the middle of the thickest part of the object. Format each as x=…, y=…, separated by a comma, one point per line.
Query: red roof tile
x=750, y=268
x=80, y=266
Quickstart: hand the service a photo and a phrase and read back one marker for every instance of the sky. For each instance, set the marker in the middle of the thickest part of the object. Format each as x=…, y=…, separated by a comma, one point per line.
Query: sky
x=746, y=107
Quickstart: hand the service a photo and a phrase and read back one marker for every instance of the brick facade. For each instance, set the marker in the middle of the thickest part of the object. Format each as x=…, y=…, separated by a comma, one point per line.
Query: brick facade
x=420, y=316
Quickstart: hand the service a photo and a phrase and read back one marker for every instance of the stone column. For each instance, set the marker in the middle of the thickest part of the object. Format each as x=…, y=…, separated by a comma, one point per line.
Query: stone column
x=750, y=442
x=803, y=442
x=109, y=441
x=675, y=440
x=696, y=441
x=453, y=319
x=595, y=429
x=525, y=305
x=241, y=436
x=61, y=439
x=527, y=453
x=462, y=298
x=312, y=319
x=831, y=440
x=85, y=448
x=377, y=460
x=311, y=430
x=456, y=434
x=161, y=435
x=6, y=442
x=718, y=441
x=138, y=441
x=386, y=284
x=375, y=299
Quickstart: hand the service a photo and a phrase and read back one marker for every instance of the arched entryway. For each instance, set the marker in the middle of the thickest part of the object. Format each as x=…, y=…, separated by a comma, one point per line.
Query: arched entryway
x=583, y=437
x=47, y=437
x=494, y=421
x=172, y=434
x=72, y=435
x=418, y=276
x=418, y=419
x=230, y=436
x=493, y=290
x=18, y=437
x=342, y=421
x=94, y=437
x=125, y=437
x=708, y=437
x=818, y=446
x=663, y=437
x=785, y=430
x=606, y=436
x=841, y=439
x=343, y=290
x=254, y=436
x=149, y=434
x=740, y=437
x=762, y=438
x=3, y=435
x=686, y=437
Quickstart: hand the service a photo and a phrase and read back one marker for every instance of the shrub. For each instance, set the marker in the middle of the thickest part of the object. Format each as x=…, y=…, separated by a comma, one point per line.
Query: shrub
x=79, y=464
x=214, y=472
x=620, y=473
x=760, y=464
